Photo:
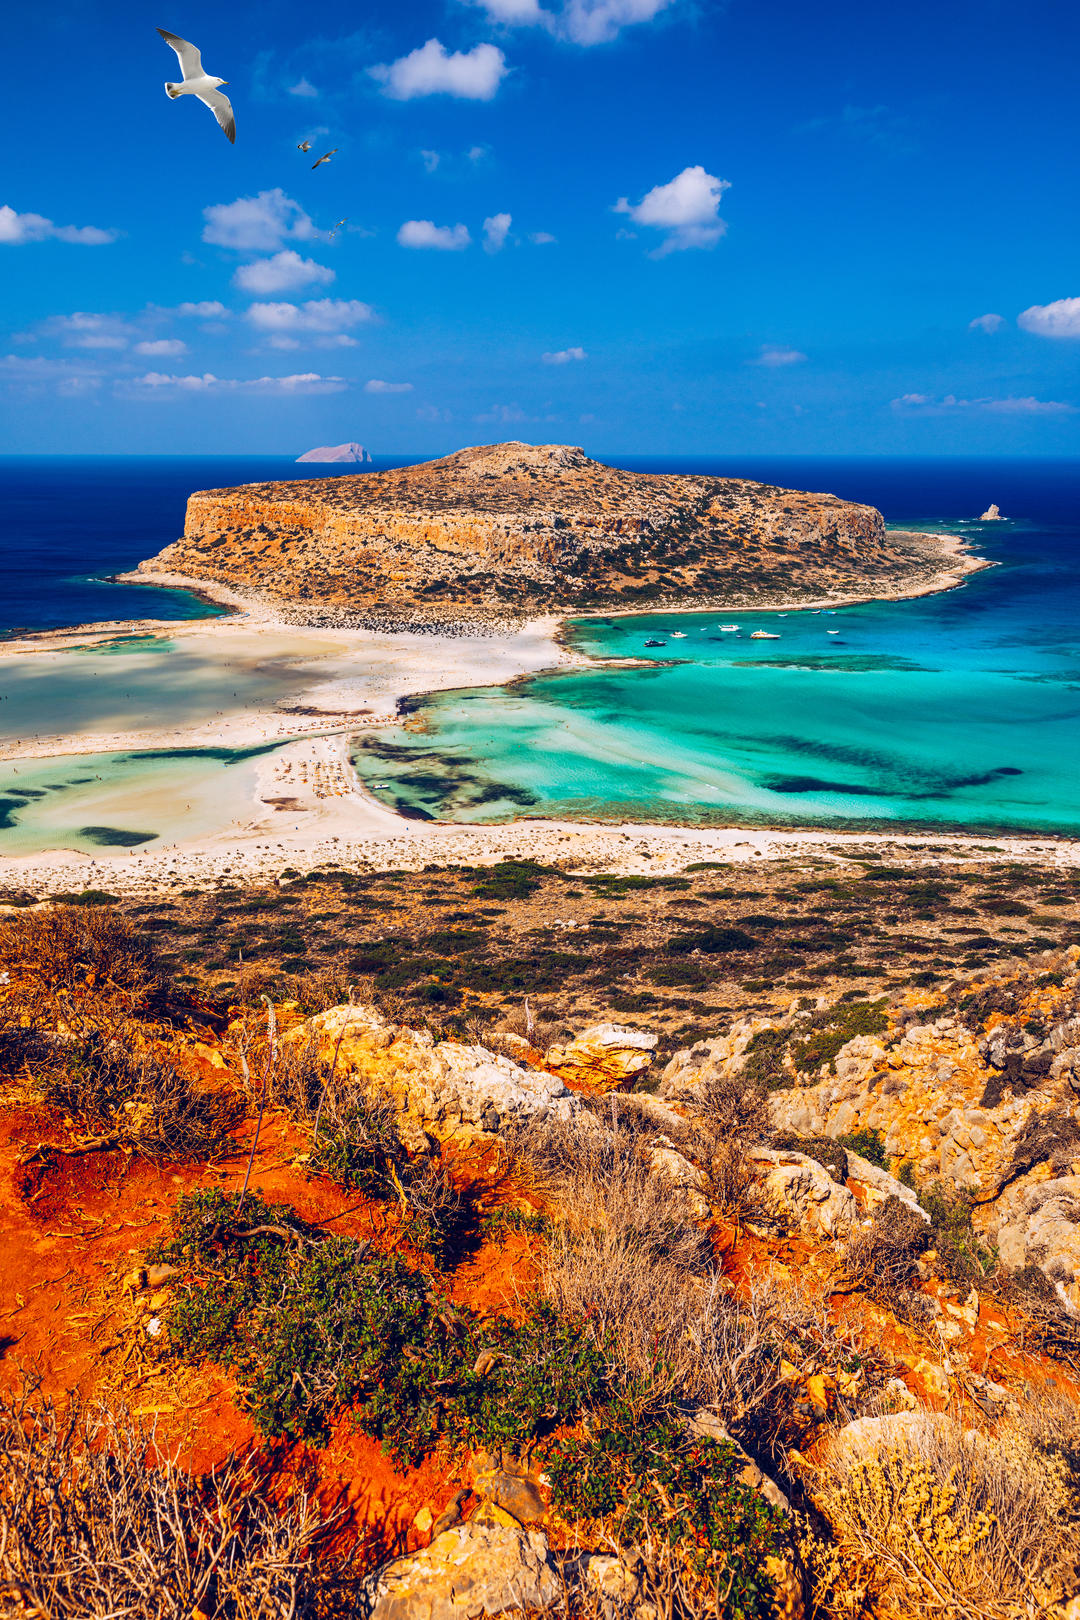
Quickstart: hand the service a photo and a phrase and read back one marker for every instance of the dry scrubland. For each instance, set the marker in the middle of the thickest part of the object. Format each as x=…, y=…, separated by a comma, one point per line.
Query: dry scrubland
x=503, y=1240
x=500, y=532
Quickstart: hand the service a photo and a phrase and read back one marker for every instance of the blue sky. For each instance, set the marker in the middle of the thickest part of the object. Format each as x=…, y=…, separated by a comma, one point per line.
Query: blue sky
x=637, y=225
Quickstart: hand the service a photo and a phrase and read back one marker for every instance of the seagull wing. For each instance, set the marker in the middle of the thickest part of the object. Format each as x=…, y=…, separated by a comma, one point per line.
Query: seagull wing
x=190, y=56
x=221, y=107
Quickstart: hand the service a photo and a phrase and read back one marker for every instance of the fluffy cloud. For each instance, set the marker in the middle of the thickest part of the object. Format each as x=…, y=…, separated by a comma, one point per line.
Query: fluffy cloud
x=322, y=321
x=161, y=348
x=424, y=233
x=986, y=323
x=563, y=357
x=430, y=160
x=1061, y=319
x=302, y=88
x=687, y=208
x=433, y=70
x=69, y=377
x=772, y=354
x=306, y=382
x=208, y=309
x=283, y=273
x=16, y=229
x=257, y=224
x=377, y=386
x=583, y=22
x=1012, y=405
x=83, y=331
x=542, y=238
x=495, y=232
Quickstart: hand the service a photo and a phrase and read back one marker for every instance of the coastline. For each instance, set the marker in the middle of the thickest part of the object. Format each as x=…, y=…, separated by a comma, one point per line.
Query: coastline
x=310, y=807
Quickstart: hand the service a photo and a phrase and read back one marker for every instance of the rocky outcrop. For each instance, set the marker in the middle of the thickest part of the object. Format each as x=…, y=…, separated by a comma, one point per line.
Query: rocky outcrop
x=469, y=1571
x=992, y=515
x=804, y=1194
x=522, y=527
x=453, y=1092
x=606, y=1057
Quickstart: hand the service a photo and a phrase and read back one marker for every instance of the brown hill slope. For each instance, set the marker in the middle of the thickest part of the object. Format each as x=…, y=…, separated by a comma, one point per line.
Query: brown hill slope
x=516, y=528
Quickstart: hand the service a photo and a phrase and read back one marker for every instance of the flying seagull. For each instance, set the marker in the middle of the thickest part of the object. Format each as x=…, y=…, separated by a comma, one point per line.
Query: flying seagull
x=200, y=84
x=325, y=157
x=338, y=226
x=305, y=146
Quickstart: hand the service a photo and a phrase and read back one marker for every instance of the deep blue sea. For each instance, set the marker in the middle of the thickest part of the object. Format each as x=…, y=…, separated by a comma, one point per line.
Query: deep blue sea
x=957, y=710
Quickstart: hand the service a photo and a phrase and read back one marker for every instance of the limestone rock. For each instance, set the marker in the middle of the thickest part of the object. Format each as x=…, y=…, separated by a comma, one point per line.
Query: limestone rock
x=456, y=1092
x=607, y=1057
x=992, y=514
x=336, y=452
x=803, y=1192
x=468, y=1572
x=1044, y=1230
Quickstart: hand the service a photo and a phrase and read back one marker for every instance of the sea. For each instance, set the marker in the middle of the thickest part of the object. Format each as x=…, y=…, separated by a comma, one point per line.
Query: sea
x=954, y=711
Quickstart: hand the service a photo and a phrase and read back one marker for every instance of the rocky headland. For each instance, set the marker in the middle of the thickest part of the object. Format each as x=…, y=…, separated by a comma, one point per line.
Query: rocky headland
x=509, y=530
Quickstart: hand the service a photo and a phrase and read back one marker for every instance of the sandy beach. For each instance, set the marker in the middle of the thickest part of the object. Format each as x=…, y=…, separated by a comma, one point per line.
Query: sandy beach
x=309, y=808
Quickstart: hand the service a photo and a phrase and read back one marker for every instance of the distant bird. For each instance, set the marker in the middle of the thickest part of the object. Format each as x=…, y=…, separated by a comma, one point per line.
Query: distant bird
x=305, y=146
x=200, y=84
x=338, y=226
x=325, y=157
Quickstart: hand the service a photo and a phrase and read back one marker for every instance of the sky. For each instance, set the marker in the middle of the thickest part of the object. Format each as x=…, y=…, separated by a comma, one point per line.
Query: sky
x=642, y=226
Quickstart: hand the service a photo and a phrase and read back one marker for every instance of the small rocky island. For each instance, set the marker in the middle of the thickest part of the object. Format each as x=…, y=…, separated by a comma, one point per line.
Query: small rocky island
x=507, y=530
x=336, y=452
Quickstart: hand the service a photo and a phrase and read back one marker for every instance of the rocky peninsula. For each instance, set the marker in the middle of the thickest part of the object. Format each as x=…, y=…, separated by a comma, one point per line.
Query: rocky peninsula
x=504, y=531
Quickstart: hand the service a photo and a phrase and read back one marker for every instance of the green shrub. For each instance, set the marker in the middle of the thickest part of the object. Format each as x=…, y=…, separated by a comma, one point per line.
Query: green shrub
x=712, y=941
x=830, y=1031
x=647, y=1480
x=867, y=1144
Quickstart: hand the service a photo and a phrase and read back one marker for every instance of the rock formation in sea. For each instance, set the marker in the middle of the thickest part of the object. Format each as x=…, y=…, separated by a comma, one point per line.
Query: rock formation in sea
x=992, y=514
x=515, y=528
x=336, y=452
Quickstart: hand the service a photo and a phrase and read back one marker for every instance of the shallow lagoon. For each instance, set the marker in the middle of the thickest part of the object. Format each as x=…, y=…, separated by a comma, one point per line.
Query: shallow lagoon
x=958, y=710
x=111, y=803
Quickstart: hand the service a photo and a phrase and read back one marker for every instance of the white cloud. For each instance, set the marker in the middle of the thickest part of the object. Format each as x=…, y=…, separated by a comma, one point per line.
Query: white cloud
x=84, y=331
x=542, y=238
x=563, y=357
x=1012, y=405
x=285, y=272
x=430, y=160
x=377, y=386
x=687, y=208
x=324, y=321
x=424, y=233
x=433, y=70
x=307, y=382
x=208, y=309
x=257, y=224
x=302, y=87
x=476, y=154
x=161, y=348
x=986, y=323
x=504, y=414
x=17, y=229
x=496, y=230
x=1061, y=319
x=772, y=354
x=433, y=413
x=583, y=22
x=70, y=377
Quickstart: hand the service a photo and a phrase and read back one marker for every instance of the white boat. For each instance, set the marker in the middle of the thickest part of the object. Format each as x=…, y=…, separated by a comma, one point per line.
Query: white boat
x=764, y=635
x=678, y=635
x=832, y=632
x=727, y=627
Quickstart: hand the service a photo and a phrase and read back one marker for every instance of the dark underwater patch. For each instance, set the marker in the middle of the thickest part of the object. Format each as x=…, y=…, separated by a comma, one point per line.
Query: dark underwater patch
x=818, y=784
x=8, y=809
x=116, y=837
x=845, y=664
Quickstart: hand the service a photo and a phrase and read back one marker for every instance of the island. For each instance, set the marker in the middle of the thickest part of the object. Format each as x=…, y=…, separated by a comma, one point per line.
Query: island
x=336, y=452
x=509, y=530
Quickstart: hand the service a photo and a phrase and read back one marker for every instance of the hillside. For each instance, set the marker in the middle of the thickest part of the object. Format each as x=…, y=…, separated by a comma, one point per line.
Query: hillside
x=515, y=528
x=734, y=1274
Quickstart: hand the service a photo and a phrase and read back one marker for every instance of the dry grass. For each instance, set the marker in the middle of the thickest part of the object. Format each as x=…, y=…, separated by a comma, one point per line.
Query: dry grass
x=931, y=1520
x=79, y=948
x=92, y=1527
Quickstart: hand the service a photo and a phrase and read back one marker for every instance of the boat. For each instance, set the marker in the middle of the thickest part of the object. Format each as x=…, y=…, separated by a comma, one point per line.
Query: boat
x=764, y=635
x=832, y=632
x=727, y=627
x=678, y=635
x=652, y=643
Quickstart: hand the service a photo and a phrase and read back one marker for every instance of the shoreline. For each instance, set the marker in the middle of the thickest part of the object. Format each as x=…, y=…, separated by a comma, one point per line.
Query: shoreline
x=310, y=807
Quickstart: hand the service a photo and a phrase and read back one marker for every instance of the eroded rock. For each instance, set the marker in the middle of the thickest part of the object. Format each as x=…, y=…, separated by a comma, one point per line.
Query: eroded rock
x=468, y=1572
x=607, y=1057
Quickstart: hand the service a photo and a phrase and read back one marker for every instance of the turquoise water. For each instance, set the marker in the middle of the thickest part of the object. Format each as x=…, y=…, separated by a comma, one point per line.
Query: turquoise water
x=957, y=710
x=122, y=802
